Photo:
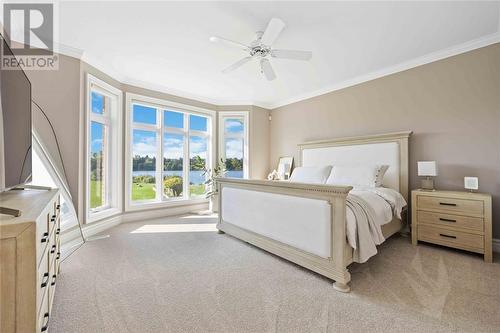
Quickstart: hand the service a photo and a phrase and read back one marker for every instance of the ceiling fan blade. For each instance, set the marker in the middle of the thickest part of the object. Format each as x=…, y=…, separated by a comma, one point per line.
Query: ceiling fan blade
x=272, y=31
x=267, y=69
x=217, y=39
x=291, y=54
x=237, y=64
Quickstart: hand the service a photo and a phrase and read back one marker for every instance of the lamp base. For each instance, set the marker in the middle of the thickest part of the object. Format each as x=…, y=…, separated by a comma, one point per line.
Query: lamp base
x=428, y=184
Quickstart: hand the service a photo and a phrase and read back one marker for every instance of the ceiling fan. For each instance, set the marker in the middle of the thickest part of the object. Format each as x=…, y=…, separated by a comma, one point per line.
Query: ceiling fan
x=261, y=48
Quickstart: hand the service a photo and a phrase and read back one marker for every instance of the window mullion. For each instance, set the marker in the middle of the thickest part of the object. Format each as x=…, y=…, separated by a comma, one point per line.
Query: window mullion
x=186, y=162
x=159, y=158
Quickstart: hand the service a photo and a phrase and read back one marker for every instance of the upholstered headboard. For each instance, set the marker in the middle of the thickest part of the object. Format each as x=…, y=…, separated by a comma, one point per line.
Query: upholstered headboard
x=382, y=149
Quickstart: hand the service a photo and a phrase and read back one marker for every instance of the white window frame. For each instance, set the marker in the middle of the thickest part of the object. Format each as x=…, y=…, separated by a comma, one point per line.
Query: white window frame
x=162, y=105
x=113, y=149
x=242, y=115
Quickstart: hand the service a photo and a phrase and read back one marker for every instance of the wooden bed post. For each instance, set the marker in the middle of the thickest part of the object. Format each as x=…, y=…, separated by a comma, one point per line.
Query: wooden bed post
x=338, y=245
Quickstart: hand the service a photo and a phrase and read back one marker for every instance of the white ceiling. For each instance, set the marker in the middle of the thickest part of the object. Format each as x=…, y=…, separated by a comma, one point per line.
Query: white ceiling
x=165, y=45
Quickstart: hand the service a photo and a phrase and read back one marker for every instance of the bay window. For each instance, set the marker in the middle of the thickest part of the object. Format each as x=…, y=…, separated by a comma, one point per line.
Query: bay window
x=169, y=145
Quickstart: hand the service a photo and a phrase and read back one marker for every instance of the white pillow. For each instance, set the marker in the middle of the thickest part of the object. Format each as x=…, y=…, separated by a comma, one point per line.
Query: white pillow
x=369, y=176
x=312, y=175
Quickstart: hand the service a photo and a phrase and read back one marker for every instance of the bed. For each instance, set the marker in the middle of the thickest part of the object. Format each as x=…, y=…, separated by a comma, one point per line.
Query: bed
x=308, y=224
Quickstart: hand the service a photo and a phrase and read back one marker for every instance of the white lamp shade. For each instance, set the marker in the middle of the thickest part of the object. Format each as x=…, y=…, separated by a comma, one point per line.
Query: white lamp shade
x=427, y=168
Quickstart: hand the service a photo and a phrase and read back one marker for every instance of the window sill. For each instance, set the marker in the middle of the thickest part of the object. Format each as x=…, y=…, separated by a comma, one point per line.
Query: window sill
x=132, y=207
x=103, y=214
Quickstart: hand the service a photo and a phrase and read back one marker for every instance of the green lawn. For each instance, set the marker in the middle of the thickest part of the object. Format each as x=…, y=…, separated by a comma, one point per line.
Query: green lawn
x=95, y=194
x=140, y=191
x=143, y=191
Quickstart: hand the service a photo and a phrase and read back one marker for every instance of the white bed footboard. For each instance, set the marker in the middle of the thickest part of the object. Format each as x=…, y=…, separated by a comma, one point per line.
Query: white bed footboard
x=303, y=223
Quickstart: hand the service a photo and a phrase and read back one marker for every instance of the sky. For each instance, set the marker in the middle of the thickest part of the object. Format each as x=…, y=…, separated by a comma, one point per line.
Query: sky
x=145, y=142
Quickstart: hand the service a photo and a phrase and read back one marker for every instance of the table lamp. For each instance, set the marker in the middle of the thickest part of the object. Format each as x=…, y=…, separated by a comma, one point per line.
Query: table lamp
x=427, y=169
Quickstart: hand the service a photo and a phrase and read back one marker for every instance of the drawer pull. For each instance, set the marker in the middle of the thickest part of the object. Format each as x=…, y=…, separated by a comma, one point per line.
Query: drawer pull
x=58, y=256
x=447, y=204
x=53, y=218
x=58, y=231
x=58, y=207
x=447, y=220
x=53, y=249
x=45, y=237
x=447, y=236
x=46, y=322
x=53, y=283
x=45, y=280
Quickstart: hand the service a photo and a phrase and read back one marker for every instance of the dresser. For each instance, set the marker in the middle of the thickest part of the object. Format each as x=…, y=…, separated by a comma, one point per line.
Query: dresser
x=29, y=259
x=460, y=220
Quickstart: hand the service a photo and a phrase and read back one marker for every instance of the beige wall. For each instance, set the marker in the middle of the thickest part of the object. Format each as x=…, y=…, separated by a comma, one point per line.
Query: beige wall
x=57, y=92
x=452, y=106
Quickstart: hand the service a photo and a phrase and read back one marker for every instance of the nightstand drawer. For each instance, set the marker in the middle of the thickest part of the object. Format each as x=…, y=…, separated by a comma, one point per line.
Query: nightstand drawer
x=458, y=239
x=451, y=205
x=449, y=220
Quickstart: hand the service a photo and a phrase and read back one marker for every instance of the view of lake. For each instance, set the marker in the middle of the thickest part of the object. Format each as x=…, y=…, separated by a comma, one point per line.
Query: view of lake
x=195, y=177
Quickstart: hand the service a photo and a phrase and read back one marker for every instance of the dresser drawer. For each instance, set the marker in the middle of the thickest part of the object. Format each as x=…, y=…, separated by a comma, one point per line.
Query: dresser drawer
x=453, y=238
x=451, y=205
x=43, y=315
x=43, y=279
x=52, y=282
x=449, y=220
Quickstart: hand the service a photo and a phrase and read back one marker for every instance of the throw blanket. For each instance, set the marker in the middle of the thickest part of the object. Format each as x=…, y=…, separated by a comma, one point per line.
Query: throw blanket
x=365, y=216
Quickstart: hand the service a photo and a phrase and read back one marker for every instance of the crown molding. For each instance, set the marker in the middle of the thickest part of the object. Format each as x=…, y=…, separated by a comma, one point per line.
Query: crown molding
x=416, y=62
x=426, y=59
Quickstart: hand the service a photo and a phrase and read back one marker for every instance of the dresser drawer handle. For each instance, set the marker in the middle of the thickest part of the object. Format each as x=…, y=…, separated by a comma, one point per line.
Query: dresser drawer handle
x=53, y=283
x=46, y=322
x=58, y=207
x=53, y=218
x=447, y=204
x=58, y=231
x=58, y=256
x=45, y=237
x=53, y=249
x=447, y=236
x=45, y=280
x=447, y=220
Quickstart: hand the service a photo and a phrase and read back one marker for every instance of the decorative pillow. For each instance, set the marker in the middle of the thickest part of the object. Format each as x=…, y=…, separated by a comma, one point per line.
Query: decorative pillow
x=312, y=175
x=369, y=176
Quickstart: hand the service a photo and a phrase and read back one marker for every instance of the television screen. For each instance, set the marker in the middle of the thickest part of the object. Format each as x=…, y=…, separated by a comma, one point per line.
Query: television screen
x=15, y=122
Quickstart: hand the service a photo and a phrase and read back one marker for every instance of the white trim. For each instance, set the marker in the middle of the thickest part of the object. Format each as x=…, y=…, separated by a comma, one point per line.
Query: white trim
x=161, y=105
x=114, y=147
x=246, y=142
x=158, y=213
x=496, y=245
x=419, y=61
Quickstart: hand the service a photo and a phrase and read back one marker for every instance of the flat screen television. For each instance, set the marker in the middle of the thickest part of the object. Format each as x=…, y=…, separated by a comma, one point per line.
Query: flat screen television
x=15, y=122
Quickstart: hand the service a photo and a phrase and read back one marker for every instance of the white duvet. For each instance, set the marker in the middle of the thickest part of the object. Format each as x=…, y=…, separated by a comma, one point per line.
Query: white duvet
x=367, y=210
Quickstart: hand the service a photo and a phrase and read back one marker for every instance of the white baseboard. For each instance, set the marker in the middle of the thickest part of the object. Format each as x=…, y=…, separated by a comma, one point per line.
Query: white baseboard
x=72, y=238
x=496, y=245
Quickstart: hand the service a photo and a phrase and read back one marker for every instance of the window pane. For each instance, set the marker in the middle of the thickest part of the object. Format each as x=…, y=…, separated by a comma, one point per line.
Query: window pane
x=173, y=152
x=233, y=125
x=97, y=101
x=234, y=157
x=97, y=165
x=197, y=155
x=197, y=123
x=144, y=114
x=144, y=165
x=173, y=119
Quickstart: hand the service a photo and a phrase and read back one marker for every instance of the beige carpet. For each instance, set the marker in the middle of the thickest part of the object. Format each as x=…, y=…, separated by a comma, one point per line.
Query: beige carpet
x=178, y=275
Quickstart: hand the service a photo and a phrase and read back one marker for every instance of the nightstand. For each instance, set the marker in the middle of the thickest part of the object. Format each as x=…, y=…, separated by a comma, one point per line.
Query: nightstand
x=460, y=220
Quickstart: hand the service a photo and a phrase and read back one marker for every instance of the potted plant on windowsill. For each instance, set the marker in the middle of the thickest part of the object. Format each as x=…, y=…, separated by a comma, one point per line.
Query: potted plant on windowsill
x=212, y=191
